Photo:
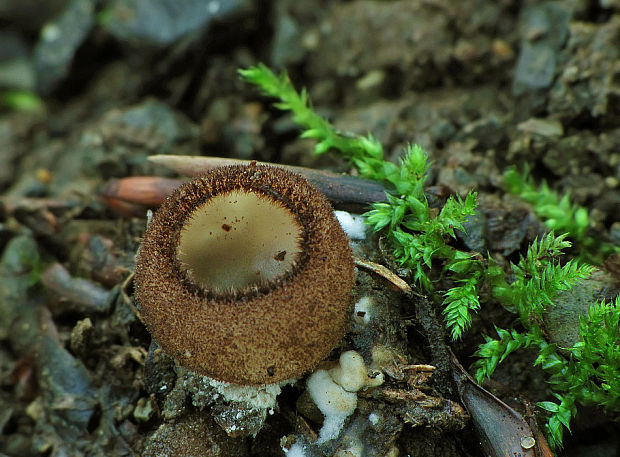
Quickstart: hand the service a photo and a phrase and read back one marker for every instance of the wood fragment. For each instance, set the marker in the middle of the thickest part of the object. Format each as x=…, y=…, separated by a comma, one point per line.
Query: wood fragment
x=11, y=204
x=419, y=368
x=385, y=273
x=126, y=294
x=418, y=409
x=435, y=332
x=350, y=193
x=130, y=196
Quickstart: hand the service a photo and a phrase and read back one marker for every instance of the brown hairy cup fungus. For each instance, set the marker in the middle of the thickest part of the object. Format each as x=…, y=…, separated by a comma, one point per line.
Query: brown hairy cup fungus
x=244, y=275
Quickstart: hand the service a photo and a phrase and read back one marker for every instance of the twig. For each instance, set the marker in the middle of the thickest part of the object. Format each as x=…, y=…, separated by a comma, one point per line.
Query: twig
x=435, y=333
x=345, y=192
x=385, y=273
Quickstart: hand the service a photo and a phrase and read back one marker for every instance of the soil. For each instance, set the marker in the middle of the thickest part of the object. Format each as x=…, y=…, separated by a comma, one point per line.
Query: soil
x=480, y=85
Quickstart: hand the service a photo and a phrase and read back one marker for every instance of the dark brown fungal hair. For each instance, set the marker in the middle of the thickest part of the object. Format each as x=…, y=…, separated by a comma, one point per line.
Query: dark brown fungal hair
x=245, y=275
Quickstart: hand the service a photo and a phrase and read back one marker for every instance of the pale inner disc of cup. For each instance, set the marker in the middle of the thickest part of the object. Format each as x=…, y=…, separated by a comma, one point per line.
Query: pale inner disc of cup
x=238, y=240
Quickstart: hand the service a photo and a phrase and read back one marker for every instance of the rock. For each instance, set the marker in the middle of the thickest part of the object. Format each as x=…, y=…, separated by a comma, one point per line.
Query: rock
x=16, y=68
x=402, y=34
x=19, y=300
x=68, y=395
x=192, y=436
x=287, y=47
x=68, y=293
x=162, y=22
x=562, y=319
x=543, y=127
x=587, y=83
x=59, y=41
x=545, y=30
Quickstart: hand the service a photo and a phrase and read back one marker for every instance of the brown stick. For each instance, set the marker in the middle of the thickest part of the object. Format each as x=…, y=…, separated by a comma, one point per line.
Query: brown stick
x=345, y=192
x=384, y=272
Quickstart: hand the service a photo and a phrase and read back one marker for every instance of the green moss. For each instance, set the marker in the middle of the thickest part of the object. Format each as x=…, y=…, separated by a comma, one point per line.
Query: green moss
x=560, y=214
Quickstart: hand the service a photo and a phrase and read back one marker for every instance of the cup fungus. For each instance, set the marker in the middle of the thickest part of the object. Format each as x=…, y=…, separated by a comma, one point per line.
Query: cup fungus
x=244, y=275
